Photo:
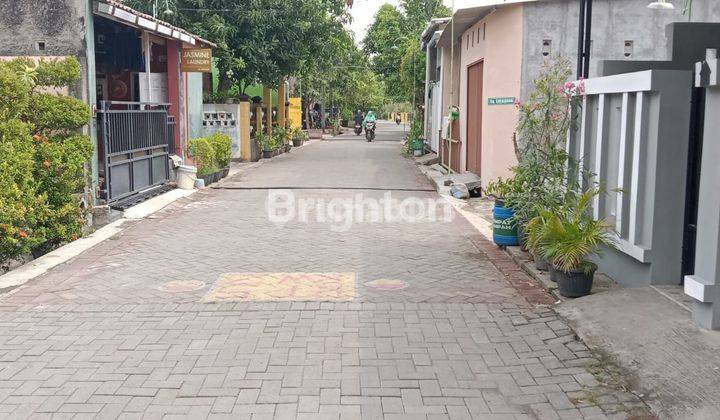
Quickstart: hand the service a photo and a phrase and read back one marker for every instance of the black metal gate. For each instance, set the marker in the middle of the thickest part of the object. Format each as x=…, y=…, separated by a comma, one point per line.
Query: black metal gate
x=692, y=194
x=136, y=147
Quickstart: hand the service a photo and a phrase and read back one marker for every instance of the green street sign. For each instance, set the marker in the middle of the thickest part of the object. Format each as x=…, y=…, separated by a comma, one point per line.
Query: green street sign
x=501, y=101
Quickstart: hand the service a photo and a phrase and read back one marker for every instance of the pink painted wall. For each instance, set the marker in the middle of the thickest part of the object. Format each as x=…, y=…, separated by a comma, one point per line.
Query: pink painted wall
x=501, y=51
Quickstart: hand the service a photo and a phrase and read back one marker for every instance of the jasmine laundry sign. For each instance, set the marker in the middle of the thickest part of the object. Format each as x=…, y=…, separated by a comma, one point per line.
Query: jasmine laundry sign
x=501, y=101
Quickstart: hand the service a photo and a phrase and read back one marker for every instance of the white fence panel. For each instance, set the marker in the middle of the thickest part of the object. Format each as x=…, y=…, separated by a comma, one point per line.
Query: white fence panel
x=632, y=134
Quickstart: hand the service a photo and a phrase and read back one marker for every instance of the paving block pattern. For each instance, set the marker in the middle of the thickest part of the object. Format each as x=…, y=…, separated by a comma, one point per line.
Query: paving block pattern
x=150, y=325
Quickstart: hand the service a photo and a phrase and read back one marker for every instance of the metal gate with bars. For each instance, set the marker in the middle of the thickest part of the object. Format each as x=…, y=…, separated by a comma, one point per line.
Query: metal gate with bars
x=137, y=139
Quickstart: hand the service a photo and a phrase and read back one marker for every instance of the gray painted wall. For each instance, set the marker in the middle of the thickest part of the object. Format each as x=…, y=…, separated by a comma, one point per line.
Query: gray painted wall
x=614, y=22
x=59, y=23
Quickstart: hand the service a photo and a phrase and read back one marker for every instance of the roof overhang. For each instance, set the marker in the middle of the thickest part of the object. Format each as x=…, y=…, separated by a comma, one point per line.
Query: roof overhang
x=433, y=27
x=119, y=12
x=466, y=17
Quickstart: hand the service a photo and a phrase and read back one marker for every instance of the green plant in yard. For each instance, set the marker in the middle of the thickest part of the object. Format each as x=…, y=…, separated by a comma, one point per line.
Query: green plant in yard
x=202, y=150
x=22, y=211
x=265, y=141
x=281, y=137
x=501, y=188
x=300, y=134
x=30, y=109
x=545, y=172
x=569, y=235
x=222, y=144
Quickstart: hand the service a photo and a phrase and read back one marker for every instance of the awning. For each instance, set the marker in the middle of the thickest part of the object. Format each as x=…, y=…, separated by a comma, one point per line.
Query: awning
x=117, y=11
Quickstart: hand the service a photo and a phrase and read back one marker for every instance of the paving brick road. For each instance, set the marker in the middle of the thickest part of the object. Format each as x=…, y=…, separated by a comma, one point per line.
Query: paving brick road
x=208, y=309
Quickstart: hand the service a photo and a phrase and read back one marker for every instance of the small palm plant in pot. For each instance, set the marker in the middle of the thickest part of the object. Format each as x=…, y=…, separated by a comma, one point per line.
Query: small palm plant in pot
x=534, y=230
x=568, y=237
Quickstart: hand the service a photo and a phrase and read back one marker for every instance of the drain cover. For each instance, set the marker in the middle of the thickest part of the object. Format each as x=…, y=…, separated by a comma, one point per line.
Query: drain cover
x=180, y=286
x=387, y=284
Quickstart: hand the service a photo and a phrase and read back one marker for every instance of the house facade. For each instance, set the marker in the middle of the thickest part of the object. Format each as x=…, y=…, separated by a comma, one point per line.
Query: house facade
x=137, y=75
x=647, y=128
x=486, y=57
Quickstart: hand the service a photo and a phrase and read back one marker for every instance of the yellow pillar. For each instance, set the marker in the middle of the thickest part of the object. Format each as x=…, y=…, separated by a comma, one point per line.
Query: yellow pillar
x=295, y=113
x=267, y=98
x=244, y=122
x=281, y=105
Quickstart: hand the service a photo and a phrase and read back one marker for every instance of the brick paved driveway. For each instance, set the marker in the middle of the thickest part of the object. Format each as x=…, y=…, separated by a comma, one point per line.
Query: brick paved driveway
x=143, y=325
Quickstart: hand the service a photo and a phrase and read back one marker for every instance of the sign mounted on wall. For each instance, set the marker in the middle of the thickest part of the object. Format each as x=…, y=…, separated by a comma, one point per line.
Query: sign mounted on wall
x=501, y=101
x=196, y=60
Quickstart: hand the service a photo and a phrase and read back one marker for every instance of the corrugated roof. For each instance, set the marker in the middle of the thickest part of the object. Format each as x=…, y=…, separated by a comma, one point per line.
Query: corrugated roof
x=126, y=14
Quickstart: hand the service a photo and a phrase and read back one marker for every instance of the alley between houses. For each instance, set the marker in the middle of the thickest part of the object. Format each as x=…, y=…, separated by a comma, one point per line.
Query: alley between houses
x=211, y=309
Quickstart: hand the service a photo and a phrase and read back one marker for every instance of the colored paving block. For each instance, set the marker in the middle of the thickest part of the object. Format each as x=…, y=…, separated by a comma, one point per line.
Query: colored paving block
x=264, y=287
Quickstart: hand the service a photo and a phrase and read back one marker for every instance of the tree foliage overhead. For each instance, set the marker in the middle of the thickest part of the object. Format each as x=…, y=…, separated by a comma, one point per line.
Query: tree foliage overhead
x=258, y=40
x=393, y=44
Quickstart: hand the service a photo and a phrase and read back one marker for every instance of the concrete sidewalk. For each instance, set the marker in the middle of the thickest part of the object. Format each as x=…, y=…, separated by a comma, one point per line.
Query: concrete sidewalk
x=646, y=337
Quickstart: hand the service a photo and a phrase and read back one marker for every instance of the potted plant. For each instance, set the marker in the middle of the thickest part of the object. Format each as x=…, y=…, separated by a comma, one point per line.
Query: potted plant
x=267, y=144
x=533, y=231
x=222, y=144
x=568, y=238
x=544, y=171
x=204, y=154
x=504, y=222
x=299, y=137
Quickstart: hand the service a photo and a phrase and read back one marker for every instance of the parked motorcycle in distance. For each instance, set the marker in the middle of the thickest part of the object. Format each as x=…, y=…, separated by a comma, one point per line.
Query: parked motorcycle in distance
x=398, y=120
x=358, y=129
x=370, y=130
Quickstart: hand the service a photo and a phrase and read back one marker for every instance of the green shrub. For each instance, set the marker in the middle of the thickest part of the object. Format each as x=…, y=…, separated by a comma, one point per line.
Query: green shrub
x=266, y=142
x=43, y=156
x=22, y=210
x=204, y=154
x=299, y=134
x=222, y=143
x=56, y=73
x=281, y=137
x=14, y=93
x=60, y=171
x=54, y=112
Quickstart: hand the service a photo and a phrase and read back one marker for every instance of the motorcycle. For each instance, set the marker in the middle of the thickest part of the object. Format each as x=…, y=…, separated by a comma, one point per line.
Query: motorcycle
x=370, y=130
x=358, y=129
x=398, y=120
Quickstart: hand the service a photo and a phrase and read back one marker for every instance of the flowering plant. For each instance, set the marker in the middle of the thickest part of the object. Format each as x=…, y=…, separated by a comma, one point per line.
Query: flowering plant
x=541, y=176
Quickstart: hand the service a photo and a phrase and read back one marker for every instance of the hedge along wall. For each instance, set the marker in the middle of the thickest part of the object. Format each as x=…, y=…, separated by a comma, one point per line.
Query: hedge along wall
x=43, y=156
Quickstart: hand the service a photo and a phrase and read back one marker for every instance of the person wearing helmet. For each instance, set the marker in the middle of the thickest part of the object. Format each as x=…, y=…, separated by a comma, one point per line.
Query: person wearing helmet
x=370, y=117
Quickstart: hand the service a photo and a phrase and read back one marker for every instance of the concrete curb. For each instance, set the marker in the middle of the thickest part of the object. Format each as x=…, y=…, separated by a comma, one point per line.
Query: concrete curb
x=65, y=253
x=146, y=208
x=40, y=266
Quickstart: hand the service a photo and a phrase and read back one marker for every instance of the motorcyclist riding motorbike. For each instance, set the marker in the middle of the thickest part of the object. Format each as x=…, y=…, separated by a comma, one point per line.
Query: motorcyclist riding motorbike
x=359, y=117
x=369, y=125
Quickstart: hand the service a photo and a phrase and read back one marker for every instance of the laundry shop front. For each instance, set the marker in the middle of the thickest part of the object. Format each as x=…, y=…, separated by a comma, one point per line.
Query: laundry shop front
x=142, y=69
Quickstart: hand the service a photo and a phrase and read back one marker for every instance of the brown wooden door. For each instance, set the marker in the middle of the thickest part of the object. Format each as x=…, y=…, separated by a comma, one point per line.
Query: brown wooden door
x=474, y=117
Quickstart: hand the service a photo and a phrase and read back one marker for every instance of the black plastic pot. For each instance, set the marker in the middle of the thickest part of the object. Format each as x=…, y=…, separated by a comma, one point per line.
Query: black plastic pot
x=225, y=171
x=575, y=283
x=541, y=263
x=522, y=238
x=208, y=179
x=297, y=142
x=217, y=176
x=267, y=154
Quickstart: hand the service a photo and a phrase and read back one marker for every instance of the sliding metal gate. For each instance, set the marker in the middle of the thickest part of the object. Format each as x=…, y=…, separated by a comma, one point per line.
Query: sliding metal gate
x=136, y=139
